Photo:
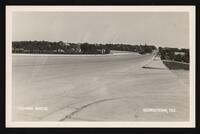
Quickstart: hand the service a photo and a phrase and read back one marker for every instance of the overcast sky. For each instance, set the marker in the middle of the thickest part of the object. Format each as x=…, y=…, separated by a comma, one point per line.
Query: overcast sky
x=167, y=29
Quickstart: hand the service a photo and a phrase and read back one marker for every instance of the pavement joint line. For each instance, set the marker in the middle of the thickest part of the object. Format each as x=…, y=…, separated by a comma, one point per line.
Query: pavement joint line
x=85, y=106
x=148, y=62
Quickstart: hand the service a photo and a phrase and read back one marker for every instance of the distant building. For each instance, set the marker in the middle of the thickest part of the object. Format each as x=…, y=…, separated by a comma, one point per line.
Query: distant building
x=101, y=50
x=181, y=53
x=27, y=51
x=74, y=48
x=59, y=51
x=67, y=44
x=18, y=50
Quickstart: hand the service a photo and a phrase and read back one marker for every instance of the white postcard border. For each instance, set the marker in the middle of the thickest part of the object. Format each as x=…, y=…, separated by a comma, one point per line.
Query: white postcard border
x=11, y=9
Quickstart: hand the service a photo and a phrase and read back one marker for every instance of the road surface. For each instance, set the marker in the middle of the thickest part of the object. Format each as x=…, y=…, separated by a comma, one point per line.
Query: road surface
x=96, y=88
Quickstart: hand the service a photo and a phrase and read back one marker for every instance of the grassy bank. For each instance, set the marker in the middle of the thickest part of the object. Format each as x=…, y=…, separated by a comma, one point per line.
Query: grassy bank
x=176, y=65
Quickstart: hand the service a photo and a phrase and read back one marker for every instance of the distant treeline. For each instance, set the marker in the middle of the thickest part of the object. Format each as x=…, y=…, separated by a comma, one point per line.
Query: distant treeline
x=75, y=48
x=175, y=54
x=142, y=49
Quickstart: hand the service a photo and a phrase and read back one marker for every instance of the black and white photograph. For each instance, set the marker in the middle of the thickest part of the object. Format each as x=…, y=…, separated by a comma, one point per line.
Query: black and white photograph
x=119, y=66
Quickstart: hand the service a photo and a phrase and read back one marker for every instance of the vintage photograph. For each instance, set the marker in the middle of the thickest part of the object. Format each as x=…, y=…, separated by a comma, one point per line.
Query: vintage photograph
x=100, y=65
